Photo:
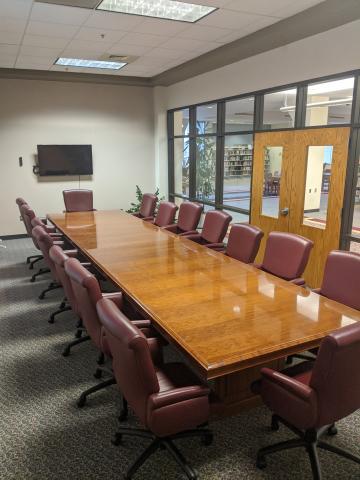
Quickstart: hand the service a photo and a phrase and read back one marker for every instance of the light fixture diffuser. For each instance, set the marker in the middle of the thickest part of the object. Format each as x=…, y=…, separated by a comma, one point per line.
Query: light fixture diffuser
x=167, y=9
x=80, y=62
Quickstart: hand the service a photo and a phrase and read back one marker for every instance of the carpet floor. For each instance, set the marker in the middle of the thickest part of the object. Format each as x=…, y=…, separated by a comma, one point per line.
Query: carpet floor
x=43, y=435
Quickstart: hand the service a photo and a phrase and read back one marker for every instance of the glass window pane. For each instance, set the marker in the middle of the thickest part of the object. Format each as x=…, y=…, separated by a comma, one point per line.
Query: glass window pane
x=181, y=122
x=206, y=119
x=279, y=109
x=317, y=186
x=238, y=157
x=355, y=247
x=205, y=168
x=272, y=176
x=181, y=165
x=238, y=217
x=239, y=115
x=356, y=215
x=329, y=103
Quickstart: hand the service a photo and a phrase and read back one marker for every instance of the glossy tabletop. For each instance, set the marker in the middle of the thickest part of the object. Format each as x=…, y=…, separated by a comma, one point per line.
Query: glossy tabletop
x=225, y=315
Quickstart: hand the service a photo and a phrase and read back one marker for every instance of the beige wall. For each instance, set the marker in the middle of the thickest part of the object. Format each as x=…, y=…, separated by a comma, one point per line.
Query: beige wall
x=117, y=120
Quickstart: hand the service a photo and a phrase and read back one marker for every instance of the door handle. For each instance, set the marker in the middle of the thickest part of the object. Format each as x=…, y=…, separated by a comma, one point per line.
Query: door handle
x=284, y=212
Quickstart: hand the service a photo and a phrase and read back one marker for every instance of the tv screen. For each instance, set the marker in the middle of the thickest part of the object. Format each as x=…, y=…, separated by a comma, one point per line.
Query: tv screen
x=65, y=160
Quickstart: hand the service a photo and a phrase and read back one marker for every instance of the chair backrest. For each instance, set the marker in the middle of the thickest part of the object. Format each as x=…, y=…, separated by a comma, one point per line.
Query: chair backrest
x=148, y=204
x=87, y=292
x=165, y=214
x=36, y=221
x=215, y=226
x=27, y=214
x=341, y=281
x=335, y=376
x=59, y=257
x=132, y=362
x=286, y=255
x=45, y=242
x=78, y=200
x=20, y=201
x=189, y=216
x=244, y=242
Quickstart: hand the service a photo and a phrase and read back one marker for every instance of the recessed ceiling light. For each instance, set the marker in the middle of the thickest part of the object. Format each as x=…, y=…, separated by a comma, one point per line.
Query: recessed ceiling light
x=80, y=62
x=167, y=9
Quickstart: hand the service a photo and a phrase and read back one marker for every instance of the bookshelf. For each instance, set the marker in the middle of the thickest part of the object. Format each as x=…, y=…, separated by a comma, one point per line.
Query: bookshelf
x=238, y=161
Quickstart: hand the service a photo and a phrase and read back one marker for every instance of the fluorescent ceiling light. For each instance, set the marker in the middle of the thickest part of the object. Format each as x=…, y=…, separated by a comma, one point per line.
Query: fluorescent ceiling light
x=168, y=9
x=80, y=62
x=325, y=103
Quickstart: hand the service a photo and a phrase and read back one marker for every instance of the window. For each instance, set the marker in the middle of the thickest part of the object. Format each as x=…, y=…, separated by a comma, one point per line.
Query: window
x=206, y=119
x=238, y=156
x=205, y=168
x=279, y=109
x=239, y=115
x=181, y=122
x=329, y=103
x=181, y=165
x=317, y=186
x=272, y=179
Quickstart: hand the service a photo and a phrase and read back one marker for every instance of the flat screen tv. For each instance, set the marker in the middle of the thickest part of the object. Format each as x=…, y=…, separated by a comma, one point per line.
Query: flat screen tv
x=65, y=160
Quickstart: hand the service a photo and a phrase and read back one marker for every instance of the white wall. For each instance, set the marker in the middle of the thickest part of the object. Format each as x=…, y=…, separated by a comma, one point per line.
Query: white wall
x=117, y=120
x=324, y=54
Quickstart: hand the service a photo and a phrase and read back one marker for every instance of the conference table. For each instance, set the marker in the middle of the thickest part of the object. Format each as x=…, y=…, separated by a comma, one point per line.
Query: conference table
x=227, y=319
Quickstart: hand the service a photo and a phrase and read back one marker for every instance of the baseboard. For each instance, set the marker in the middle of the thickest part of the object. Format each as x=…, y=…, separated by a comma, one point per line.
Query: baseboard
x=312, y=210
x=14, y=237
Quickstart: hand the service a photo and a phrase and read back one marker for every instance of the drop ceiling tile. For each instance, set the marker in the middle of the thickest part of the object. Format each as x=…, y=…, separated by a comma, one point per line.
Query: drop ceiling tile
x=9, y=49
x=260, y=24
x=296, y=7
x=234, y=35
x=26, y=60
x=262, y=7
x=204, y=33
x=229, y=19
x=99, y=47
x=132, y=69
x=44, y=52
x=210, y=3
x=7, y=61
x=144, y=39
x=51, y=29
x=10, y=38
x=184, y=44
x=162, y=53
x=150, y=62
x=44, y=41
x=160, y=27
x=44, y=12
x=95, y=35
x=31, y=66
x=13, y=25
x=15, y=8
x=113, y=21
x=86, y=54
x=125, y=49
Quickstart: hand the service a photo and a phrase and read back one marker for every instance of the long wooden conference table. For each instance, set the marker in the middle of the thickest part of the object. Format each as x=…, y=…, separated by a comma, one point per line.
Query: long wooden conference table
x=227, y=318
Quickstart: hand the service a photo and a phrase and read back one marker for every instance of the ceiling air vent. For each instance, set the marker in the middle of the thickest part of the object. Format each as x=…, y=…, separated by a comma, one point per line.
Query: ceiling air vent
x=115, y=57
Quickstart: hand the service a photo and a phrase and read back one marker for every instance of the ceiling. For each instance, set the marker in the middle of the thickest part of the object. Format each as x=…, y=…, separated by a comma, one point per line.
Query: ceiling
x=34, y=34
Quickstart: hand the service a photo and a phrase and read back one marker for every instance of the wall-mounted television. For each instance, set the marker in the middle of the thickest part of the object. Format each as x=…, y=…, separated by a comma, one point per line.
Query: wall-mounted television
x=65, y=160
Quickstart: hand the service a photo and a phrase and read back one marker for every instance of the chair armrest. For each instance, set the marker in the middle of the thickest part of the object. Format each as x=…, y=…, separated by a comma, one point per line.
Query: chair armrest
x=171, y=228
x=289, y=384
x=316, y=290
x=194, y=237
x=148, y=219
x=144, y=323
x=59, y=242
x=155, y=347
x=190, y=232
x=257, y=265
x=137, y=215
x=116, y=297
x=169, y=397
x=71, y=253
x=215, y=246
x=298, y=281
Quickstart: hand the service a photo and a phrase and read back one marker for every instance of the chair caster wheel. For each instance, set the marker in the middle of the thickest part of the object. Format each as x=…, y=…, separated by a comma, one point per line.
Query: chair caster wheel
x=98, y=373
x=332, y=430
x=123, y=416
x=289, y=360
x=207, y=439
x=261, y=463
x=81, y=402
x=78, y=334
x=117, y=440
x=41, y=296
x=274, y=424
x=51, y=319
x=66, y=352
x=32, y=280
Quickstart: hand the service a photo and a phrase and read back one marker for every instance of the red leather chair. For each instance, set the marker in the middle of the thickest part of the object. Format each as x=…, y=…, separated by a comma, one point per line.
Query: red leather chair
x=148, y=205
x=311, y=397
x=165, y=214
x=286, y=256
x=214, y=230
x=167, y=398
x=45, y=242
x=27, y=214
x=188, y=219
x=244, y=242
x=78, y=200
x=87, y=293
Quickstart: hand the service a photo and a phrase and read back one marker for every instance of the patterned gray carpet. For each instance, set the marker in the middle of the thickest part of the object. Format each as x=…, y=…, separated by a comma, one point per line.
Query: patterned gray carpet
x=43, y=435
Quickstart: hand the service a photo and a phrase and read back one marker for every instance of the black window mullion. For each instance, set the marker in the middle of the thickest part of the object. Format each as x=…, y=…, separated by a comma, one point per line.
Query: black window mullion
x=170, y=131
x=259, y=112
x=219, y=178
x=300, y=109
x=355, y=114
x=192, y=153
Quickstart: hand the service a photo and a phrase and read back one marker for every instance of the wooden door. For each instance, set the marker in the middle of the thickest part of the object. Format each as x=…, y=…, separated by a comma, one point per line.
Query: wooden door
x=313, y=170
